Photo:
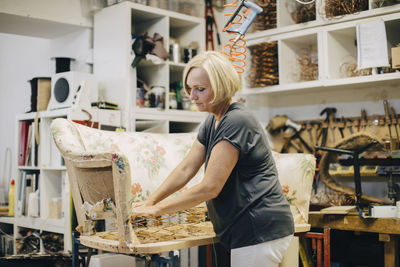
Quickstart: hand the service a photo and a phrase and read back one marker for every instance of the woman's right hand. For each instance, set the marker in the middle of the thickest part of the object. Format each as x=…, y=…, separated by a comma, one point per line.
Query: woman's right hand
x=143, y=209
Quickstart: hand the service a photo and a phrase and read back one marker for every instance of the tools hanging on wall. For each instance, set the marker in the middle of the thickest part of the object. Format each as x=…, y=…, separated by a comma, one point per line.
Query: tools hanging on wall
x=331, y=130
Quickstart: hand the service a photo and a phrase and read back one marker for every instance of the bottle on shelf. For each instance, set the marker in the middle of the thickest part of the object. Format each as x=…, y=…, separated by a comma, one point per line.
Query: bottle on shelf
x=11, y=198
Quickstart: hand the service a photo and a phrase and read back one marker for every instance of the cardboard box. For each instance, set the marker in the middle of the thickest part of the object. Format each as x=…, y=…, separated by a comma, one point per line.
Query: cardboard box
x=396, y=57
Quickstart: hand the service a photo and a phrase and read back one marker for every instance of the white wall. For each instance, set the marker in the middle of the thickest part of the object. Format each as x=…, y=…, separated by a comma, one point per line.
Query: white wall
x=23, y=58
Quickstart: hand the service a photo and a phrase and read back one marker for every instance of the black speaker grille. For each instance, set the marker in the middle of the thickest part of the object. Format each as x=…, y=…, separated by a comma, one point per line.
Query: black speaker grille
x=61, y=90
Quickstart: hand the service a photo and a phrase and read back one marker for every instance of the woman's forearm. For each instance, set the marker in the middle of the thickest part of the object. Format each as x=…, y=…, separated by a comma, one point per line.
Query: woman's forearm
x=175, y=181
x=185, y=200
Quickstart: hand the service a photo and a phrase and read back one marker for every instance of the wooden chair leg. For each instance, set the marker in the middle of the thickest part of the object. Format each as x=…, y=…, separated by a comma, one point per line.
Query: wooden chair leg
x=320, y=241
x=319, y=253
x=327, y=247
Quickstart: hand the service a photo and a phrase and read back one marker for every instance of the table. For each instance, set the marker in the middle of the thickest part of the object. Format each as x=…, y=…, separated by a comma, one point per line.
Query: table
x=387, y=228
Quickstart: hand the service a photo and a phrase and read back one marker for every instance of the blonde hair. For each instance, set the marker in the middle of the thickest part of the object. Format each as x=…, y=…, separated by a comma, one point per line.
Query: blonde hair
x=224, y=79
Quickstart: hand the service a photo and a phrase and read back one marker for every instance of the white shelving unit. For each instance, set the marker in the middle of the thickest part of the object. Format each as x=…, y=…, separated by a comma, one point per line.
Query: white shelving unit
x=113, y=30
x=51, y=177
x=333, y=41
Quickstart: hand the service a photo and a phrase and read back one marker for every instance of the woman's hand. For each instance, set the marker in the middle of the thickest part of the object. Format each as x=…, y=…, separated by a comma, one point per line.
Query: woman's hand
x=144, y=209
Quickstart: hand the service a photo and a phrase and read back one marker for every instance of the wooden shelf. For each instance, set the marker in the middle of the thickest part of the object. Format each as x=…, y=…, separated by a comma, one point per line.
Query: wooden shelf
x=169, y=115
x=371, y=81
x=50, y=225
x=320, y=21
x=8, y=220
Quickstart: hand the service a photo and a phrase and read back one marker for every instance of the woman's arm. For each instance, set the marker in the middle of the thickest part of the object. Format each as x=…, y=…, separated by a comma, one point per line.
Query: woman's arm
x=181, y=175
x=223, y=159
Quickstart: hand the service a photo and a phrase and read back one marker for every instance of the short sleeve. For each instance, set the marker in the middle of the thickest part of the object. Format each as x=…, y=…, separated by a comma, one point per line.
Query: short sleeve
x=241, y=131
x=202, y=135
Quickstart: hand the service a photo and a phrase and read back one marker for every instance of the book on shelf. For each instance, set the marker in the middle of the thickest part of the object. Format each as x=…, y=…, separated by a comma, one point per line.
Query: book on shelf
x=28, y=195
x=23, y=136
x=21, y=194
x=31, y=153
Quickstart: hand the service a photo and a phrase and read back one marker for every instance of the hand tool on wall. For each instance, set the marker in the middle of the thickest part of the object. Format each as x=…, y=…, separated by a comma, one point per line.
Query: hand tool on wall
x=210, y=21
x=363, y=120
x=387, y=118
x=309, y=128
x=315, y=131
x=349, y=125
x=356, y=125
x=395, y=123
x=297, y=128
x=341, y=126
x=330, y=114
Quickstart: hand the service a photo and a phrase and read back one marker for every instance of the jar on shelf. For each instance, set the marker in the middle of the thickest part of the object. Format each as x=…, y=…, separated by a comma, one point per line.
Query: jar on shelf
x=159, y=93
x=173, y=103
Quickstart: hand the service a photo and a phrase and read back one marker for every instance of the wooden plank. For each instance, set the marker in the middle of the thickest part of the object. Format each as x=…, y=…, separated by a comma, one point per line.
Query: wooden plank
x=352, y=222
x=76, y=195
x=95, y=241
x=338, y=210
x=150, y=248
x=390, y=252
x=92, y=163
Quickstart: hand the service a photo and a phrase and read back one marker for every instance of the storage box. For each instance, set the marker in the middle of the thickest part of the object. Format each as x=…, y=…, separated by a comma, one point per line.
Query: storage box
x=396, y=57
x=55, y=209
x=111, y=260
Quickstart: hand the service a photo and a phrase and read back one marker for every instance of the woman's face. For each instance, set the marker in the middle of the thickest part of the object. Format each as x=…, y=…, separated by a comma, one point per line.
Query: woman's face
x=200, y=89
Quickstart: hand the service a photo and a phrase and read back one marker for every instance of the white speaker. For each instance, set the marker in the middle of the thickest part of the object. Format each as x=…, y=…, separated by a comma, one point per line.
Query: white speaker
x=64, y=88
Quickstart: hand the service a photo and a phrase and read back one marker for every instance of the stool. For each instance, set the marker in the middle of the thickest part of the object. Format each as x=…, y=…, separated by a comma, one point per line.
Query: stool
x=316, y=241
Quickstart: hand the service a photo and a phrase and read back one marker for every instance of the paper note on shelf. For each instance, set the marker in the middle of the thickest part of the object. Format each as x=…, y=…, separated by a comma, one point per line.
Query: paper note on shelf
x=372, y=48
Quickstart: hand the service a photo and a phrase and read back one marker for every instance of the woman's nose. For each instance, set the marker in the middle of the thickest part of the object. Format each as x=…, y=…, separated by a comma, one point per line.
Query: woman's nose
x=192, y=95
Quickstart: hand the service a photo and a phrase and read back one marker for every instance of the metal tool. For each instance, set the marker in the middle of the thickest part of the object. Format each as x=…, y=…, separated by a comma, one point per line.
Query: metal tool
x=387, y=118
x=349, y=124
x=330, y=114
x=364, y=120
x=341, y=125
x=251, y=13
x=395, y=122
x=297, y=128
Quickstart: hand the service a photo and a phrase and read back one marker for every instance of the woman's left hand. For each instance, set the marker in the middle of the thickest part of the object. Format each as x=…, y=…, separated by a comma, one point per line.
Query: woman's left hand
x=144, y=211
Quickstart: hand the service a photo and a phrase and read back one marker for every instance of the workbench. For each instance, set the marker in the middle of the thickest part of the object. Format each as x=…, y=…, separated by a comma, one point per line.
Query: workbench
x=387, y=228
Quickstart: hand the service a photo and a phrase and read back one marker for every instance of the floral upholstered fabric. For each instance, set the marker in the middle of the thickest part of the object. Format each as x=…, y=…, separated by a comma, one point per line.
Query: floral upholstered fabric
x=296, y=174
x=151, y=157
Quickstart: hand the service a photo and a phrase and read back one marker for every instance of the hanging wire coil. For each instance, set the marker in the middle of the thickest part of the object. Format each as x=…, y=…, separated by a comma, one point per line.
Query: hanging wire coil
x=236, y=51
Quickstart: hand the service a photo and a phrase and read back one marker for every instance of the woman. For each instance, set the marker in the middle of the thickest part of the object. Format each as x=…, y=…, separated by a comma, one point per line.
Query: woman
x=250, y=215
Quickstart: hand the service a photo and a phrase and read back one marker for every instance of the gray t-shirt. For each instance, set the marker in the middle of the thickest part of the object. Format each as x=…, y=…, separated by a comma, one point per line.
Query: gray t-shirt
x=251, y=207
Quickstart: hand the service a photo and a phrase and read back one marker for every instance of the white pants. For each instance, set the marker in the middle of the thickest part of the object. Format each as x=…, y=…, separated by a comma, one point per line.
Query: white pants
x=268, y=254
